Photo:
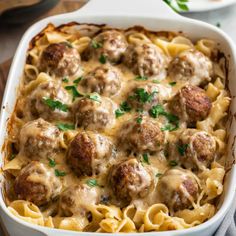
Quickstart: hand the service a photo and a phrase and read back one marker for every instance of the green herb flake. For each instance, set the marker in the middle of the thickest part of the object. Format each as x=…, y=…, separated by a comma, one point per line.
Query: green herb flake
x=102, y=59
x=173, y=163
x=12, y=156
x=96, y=44
x=170, y=127
x=94, y=97
x=125, y=106
x=59, y=173
x=158, y=175
x=155, y=81
x=157, y=110
x=52, y=162
x=65, y=80
x=172, y=83
x=68, y=44
x=92, y=182
x=178, y=5
x=119, y=112
x=143, y=96
x=142, y=78
x=139, y=120
x=76, y=81
x=54, y=104
x=182, y=149
x=146, y=158
x=74, y=91
x=65, y=127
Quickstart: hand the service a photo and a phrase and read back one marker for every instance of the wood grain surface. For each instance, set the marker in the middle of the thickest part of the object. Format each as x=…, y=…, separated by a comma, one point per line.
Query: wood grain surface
x=62, y=7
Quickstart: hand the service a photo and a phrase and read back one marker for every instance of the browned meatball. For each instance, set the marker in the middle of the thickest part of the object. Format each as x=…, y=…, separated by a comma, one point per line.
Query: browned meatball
x=178, y=189
x=89, y=153
x=93, y=114
x=39, y=140
x=191, y=104
x=142, y=137
x=40, y=98
x=130, y=180
x=75, y=199
x=191, y=66
x=60, y=59
x=37, y=184
x=148, y=95
x=105, y=80
x=199, y=149
x=145, y=60
x=110, y=44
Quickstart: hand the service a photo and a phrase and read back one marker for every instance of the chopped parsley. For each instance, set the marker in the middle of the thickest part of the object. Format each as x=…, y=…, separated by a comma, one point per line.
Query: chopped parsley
x=76, y=81
x=54, y=104
x=74, y=91
x=142, y=95
x=59, y=173
x=94, y=97
x=146, y=158
x=155, y=81
x=182, y=149
x=139, y=120
x=68, y=44
x=65, y=127
x=143, y=78
x=102, y=59
x=96, y=44
x=170, y=127
x=173, y=163
x=157, y=110
x=158, y=175
x=52, y=162
x=172, y=83
x=177, y=5
x=92, y=182
x=119, y=112
x=65, y=80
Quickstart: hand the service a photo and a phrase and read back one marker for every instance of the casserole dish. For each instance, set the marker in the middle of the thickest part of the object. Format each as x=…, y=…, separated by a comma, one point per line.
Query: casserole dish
x=124, y=16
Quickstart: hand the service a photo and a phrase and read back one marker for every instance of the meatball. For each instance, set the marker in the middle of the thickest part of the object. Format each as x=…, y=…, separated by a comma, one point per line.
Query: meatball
x=200, y=148
x=39, y=101
x=88, y=153
x=60, y=59
x=191, y=66
x=105, y=80
x=191, y=104
x=75, y=199
x=39, y=140
x=178, y=189
x=146, y=96
x=145, y=60
x=110, y=44
x=144, y=136
x=37, y=184
x=94, y=114
x=130, y=180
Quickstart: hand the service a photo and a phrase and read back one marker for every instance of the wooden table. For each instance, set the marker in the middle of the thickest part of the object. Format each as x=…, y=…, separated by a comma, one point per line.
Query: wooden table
x=9, y=39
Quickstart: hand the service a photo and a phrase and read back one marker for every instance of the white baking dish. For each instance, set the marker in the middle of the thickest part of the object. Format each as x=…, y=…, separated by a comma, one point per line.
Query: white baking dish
x=154, y=15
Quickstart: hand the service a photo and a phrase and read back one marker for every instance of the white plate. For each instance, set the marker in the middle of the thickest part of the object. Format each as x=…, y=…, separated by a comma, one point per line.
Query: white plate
x=208, y=5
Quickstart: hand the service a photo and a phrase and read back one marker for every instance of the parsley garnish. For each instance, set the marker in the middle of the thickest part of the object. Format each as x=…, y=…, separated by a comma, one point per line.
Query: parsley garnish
x=92, y=182
x=177, y=5
x=102, y=59
x=139, y=120
x=143, y=78
x=146, y=159
x=182, y=149
x=125, y=106
x=155, y=81
x=52, y=162
x=143, y=96
x=94, y=97
x=172, y=83
x=170, y=127
x=119, y=112
x=76, y=81
x=157, y=110
x=159, y=174
x=173, y=163
x=65, y=80
x=74, y=91
x=65, y=127
x=68, y=44
x=96, y=45
x=54, y=104
x=59, y=173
